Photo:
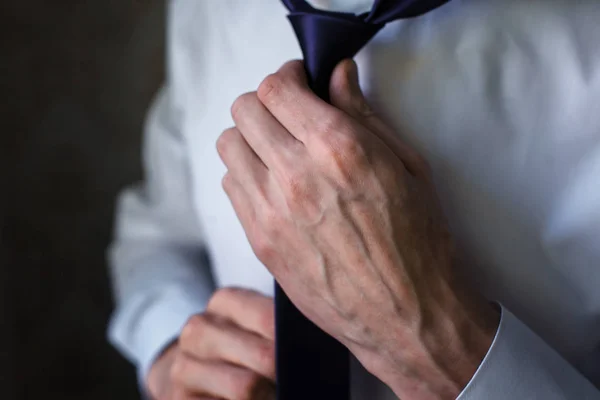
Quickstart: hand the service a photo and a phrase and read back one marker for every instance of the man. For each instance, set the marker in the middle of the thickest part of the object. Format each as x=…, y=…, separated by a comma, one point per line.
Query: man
x=338, y=203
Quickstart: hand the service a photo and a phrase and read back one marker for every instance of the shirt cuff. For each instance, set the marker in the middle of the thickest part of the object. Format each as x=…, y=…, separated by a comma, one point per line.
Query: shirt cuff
x=520, y=365
x=151, y=321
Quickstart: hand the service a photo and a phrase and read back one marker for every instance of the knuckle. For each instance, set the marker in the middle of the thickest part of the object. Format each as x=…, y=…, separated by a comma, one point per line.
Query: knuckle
x=263, y=249
x=192, y=329
x=266, y=358
x=227, y=182
x=239, y=104
x=271, y=87
x=266, y=320
x=222, y=297
x=225, y=139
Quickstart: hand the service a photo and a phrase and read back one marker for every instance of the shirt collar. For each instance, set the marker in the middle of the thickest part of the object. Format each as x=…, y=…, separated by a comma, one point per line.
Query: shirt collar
x=352, y=6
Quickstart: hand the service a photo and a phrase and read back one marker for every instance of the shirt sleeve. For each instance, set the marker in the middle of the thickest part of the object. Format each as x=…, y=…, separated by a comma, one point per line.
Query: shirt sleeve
x=520, y=365
x=157, y=266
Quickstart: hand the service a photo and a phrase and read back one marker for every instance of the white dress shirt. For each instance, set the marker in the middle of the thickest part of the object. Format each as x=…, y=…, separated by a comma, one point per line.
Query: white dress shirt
x=503, y=99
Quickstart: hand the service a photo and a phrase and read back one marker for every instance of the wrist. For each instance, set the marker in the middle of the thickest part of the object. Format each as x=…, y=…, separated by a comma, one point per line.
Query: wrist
x=439, y=356
x=460, y=336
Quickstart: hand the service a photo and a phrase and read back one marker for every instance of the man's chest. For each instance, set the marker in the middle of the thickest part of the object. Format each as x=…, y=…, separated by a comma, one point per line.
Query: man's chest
x=511, y=133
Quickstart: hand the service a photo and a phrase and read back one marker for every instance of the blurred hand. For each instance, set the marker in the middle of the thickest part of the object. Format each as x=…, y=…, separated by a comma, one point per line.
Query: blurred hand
x=226, y=353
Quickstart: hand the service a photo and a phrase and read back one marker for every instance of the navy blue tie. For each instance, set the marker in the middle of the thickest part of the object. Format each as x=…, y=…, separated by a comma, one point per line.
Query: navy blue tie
x=311, y=365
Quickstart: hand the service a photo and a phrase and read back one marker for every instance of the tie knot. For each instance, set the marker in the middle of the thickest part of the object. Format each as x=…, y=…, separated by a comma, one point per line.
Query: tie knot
x=326, y=40
x=328, y=37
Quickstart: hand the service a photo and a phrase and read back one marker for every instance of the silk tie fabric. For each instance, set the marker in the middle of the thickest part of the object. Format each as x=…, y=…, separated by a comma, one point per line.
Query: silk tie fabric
x=312, y=365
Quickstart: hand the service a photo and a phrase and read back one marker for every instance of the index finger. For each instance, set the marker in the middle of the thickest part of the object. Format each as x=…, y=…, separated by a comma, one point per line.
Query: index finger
x=290, y=100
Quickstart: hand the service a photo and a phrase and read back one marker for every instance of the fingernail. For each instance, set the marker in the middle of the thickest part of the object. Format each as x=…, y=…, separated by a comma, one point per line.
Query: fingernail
x=361, y=102
x=353, y=76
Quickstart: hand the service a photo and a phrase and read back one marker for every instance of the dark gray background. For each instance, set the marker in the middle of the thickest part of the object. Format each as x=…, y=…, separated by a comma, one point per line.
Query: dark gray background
x=76, y=77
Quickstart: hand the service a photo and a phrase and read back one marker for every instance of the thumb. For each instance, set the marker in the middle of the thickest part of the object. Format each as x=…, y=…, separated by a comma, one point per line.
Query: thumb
x=345, y=92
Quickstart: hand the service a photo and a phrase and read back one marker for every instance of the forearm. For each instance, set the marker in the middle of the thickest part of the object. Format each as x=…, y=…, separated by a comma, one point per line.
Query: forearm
x=450, y=340
x=517, y=365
